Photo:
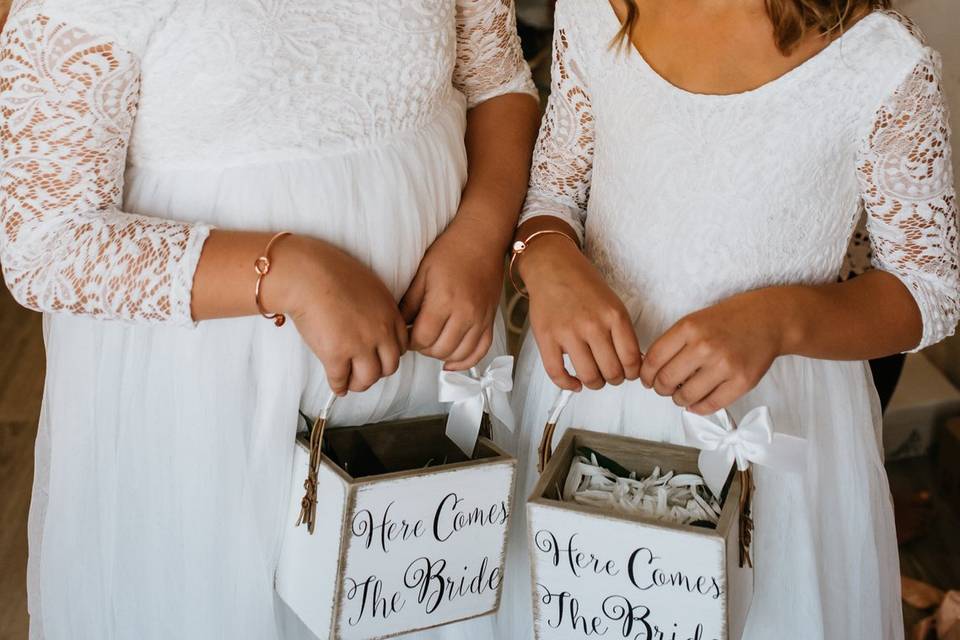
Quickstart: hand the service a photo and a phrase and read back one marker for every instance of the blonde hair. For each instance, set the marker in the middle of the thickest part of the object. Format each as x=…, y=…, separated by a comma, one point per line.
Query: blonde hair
x=791, y=19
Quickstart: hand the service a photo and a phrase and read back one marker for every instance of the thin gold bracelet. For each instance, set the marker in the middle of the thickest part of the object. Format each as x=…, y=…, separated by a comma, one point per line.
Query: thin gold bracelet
x=520, y=246
x=262, y=267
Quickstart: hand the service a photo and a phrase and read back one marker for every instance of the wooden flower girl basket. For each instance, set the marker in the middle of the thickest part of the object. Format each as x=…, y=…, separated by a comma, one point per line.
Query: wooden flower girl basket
x=616, y=572
x=393, y=528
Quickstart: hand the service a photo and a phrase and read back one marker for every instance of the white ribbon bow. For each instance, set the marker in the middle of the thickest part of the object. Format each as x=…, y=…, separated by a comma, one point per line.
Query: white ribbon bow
x=722, y=442
x=471, y=395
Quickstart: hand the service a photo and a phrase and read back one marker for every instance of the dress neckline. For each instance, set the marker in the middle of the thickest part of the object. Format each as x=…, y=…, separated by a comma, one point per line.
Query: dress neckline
x=799, y=71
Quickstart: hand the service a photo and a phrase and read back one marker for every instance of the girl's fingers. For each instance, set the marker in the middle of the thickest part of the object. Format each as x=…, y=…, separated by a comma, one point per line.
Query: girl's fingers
x=467, y=345
x=483, y=346
x=698, y=387
x=628, y=349
x=660, y=353
x=605, y=355
x=588, y=372
x=413, y=299
x=365, y=371
x=402, y=333
x=552, y=356
x=389, y=354
x=721, y=397
x=453, y=333
x=427, y=328
x=338, y=376
x=676, y=372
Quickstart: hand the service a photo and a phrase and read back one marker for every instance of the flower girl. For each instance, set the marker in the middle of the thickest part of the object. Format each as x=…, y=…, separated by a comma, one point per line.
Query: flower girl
x=173, y=169
x=697, y=179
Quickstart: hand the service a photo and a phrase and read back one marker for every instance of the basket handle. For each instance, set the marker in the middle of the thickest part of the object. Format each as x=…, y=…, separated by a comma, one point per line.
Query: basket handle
x=308, y=504
x=545, y=452
x=746, y=517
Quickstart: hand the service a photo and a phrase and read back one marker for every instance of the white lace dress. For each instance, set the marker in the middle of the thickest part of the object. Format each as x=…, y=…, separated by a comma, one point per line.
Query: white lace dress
x=683, y=199
x=129, y=128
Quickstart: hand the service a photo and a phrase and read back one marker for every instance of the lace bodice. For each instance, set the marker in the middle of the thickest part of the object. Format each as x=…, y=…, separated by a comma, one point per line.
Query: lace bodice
x=683, y=199
x=87, y=89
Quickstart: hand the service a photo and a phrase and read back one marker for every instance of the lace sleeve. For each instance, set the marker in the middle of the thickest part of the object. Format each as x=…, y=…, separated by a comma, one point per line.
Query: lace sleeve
x=68, y=100
x=906, y=181
x=563, y=157
x=489, y=58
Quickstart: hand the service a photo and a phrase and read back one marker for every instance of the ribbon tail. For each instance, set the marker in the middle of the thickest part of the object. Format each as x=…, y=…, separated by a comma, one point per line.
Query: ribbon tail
x=715, y=467
x=785, y=453
x=463, y=423
x=500, y=409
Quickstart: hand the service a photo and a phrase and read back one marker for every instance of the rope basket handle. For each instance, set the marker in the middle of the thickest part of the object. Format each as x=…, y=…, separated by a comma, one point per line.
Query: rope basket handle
x=746, y=517
x=545, y=451
x=308, y=504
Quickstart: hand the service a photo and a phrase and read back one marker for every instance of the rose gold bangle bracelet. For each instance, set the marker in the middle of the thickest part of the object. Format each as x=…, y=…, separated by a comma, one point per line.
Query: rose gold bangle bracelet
x=262, y=267
x=520, y=246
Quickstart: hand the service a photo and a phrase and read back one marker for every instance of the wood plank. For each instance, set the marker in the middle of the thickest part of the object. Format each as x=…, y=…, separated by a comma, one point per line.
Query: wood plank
x=21, y=388
x=935, y=557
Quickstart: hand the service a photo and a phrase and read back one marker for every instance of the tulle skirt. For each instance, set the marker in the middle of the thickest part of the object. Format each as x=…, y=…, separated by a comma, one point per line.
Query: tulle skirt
x=824, y=549
x=164, y=453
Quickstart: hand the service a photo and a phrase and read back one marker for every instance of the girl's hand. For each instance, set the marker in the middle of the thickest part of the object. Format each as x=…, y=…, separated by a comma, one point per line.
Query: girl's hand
x=453, y=299
x=343, y=311
x=712, y=357
x=574, y=312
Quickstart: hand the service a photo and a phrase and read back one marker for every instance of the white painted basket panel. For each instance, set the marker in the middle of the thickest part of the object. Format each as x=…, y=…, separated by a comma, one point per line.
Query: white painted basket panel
x=675, y=584
x=313, y=559
x=432, y=545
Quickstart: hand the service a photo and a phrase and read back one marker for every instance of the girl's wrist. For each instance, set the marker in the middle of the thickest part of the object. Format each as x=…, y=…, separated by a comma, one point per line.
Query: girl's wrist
x=296, y=262
x=786, y=312
x=542, y=254
x=486, y=232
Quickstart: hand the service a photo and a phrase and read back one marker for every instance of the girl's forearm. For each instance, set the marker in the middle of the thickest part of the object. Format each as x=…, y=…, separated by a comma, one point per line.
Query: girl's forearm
x=223, y=284
x=871, y=316
x=499, y=140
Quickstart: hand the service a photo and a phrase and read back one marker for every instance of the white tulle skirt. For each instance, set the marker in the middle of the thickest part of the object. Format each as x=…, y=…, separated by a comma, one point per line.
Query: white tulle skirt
x=824, y=549
x=164, y=454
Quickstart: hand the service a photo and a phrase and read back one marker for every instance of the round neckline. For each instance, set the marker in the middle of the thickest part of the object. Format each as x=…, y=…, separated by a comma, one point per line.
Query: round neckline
x=791, y=74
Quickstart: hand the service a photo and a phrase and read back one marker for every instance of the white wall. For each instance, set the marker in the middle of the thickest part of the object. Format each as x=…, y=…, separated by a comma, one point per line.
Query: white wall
x=940, y=22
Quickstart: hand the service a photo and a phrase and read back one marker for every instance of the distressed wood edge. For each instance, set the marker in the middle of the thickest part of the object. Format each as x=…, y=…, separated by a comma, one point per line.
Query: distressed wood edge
x=350, y=505
x=505, y=545
x=533, y=570
x=435, y=626
x=732, y=564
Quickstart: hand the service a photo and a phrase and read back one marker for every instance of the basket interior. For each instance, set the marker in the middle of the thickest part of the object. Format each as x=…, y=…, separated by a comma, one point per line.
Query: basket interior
x=636, y=455
x=402, y=445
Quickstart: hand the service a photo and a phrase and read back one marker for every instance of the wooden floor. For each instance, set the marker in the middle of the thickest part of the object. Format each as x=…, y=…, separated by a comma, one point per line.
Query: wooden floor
x=934, y=558
x=21, y=386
